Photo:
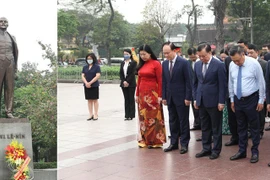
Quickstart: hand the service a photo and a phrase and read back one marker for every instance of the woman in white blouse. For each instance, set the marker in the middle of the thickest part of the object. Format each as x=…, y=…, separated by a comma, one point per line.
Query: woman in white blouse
x=128, y=83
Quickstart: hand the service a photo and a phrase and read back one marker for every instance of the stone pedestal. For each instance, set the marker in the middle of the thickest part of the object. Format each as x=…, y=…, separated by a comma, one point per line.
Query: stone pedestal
x=19, y=129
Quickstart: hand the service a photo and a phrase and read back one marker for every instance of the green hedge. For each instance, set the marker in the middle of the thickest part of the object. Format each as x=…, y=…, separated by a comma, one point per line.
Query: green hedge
x=74, y=72
x=45, y=165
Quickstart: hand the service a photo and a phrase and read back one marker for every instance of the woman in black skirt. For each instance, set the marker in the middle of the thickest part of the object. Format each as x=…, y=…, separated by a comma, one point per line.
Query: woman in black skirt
x=128, y=83
x=90, y=75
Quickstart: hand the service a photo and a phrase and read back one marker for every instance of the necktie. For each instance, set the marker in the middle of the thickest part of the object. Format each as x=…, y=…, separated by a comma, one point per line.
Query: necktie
x=171, y=66
x=204, y=69
x=239, y=83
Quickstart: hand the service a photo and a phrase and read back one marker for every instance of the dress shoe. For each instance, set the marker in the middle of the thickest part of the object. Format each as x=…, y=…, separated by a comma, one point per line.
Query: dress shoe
x=203, y=153
x=183, y=150
x=199, y=139
x=9, y=115
x=126, y=119
x=254, y=158
x=154, y=146
x=267, y=128
x=238, y=156
x=94, y=119
x=195, y=128
x=171, y=148
x=231, y=143
x=214, y=156
x=141, y=144
x=90, y=118
x=261, y=135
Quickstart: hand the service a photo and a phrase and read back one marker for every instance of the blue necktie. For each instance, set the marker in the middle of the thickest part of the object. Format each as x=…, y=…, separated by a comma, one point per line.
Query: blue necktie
x=239, y=83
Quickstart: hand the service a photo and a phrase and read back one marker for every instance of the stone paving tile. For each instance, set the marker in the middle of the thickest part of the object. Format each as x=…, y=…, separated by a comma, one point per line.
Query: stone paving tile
x=107, y=148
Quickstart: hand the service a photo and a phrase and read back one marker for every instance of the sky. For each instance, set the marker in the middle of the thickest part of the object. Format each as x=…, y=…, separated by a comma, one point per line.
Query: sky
x=31, y=21
x=132, y=10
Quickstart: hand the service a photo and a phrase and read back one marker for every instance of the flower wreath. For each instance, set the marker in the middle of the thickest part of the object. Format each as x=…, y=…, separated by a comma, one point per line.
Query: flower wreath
x=17, y=160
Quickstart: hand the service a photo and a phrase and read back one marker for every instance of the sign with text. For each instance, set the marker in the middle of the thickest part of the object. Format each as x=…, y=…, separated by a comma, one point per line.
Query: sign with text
x=14, y=128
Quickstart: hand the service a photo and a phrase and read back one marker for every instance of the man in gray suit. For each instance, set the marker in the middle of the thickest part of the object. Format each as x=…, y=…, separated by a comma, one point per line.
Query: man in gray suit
x=253, y=52
x=8, y=66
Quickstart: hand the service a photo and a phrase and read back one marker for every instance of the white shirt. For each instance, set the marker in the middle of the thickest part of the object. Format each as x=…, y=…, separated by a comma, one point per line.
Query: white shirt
x=125, y=67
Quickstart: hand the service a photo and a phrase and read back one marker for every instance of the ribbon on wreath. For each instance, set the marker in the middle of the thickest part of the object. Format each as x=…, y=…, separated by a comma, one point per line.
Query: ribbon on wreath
x=24, y=165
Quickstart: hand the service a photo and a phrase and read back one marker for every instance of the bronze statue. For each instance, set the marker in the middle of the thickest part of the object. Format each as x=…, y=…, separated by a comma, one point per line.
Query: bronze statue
x=8, y=66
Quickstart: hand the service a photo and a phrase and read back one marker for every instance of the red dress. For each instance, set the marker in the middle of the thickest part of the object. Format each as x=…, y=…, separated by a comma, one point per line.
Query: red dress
x=151, y=118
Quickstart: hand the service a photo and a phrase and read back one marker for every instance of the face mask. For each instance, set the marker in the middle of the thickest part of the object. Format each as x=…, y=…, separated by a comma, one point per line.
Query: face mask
x=126, y=56
x=90, y=61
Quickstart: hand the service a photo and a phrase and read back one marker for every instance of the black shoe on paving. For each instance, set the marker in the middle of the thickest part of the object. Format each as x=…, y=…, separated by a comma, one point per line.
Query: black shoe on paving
x=171, y=148
x=203, y=153
x=254, y=158
x=214, y=156
x=267, y=128
x=231, y=143
x=195, y=128
x=183, y=150
x=238, y=156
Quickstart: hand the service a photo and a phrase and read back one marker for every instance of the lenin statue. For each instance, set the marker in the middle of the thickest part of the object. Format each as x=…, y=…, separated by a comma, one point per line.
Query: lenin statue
x=8, y=66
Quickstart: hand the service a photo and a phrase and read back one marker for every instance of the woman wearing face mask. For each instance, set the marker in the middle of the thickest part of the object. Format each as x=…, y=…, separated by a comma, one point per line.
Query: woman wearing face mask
x=128, y=83
x=90, y=75
x=149, y=96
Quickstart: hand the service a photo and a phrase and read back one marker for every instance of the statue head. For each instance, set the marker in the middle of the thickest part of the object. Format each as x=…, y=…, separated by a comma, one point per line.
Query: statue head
x=3, y=23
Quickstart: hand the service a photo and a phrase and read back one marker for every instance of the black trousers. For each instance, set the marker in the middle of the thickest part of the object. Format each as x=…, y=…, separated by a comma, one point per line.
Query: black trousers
x=179, y=124
x=262, y=115
x=232, y=121
x=128, y=93
x=211, y=125
x=197, y=121
x=246, y=113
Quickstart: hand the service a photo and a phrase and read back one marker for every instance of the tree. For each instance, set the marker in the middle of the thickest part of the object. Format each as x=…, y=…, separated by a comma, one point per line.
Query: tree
x=193, y=12
x=119, y=33
x=219, y=12
x=161, y=14
x=67, y=25
x=240, y=10
x=101, y=5
x=35, y=98
x=147, y=33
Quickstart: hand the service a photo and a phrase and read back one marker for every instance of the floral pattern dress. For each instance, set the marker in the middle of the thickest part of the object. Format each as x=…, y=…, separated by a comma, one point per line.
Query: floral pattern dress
x=151, y=117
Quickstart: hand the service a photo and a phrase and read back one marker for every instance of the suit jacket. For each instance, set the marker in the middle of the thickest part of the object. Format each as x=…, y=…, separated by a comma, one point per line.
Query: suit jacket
x=267, y=78
x=130, y=74
x=15, y=50
x=263, y=64
x=213, y=87
x=179, y=86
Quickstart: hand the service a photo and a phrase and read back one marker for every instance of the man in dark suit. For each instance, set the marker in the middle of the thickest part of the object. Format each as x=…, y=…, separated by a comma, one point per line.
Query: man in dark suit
x=8, y=66
x=192, y=58
x=209, y=93
x=253, y=52
x=267, y=77
x=177, y=94
x=231, y=115
x=128, y=83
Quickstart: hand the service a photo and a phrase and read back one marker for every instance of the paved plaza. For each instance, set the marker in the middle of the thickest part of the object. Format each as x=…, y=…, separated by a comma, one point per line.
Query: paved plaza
x=107, y=148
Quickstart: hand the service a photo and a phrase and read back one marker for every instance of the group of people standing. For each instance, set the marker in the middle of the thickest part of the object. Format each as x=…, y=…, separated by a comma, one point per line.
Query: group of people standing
x=205, y=82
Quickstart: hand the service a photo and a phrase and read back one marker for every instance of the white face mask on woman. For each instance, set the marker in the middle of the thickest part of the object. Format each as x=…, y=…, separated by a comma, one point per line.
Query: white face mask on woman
x=89, y=61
